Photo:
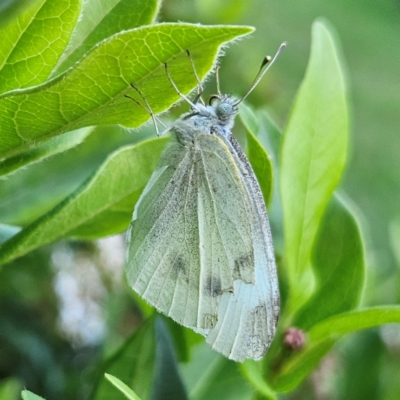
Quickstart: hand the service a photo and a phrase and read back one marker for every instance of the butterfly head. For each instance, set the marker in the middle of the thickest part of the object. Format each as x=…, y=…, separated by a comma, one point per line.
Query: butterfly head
x=225, y=107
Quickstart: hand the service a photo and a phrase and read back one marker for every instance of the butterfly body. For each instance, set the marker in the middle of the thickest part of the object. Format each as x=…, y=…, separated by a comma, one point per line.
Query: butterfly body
x=200, y=248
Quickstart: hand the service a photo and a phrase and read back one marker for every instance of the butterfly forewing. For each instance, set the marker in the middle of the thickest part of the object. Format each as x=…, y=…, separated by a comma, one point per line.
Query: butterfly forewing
x=191, y=237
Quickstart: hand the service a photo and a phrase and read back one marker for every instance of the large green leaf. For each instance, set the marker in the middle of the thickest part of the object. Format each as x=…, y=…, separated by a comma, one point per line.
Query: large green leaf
x=92, y=92
x=101, y=19
x=322, y=336
x=43, y=150
x=33, y=43
x=210, y=376
x=313, y=156
x=133, y=364
x=35, y=189
x=119, y=179
x=338, y=262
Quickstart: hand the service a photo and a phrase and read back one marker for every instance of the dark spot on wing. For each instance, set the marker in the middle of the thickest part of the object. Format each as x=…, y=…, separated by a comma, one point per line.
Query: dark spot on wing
x=244, y=268
x=179, y=265
x=213, y=286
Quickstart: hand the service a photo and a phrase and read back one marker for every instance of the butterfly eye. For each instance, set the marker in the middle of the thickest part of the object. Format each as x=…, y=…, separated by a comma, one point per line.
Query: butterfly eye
x=224, y=110
x=213, y=99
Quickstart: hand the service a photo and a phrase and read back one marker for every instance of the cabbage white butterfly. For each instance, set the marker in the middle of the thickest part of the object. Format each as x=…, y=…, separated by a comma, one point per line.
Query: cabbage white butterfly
x=199, y=246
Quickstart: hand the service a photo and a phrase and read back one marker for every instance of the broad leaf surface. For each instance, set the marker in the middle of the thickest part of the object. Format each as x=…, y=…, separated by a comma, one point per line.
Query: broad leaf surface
x=313, y=157
x=33, y=43
x=120, y=179
x=38, y=187
x=101, y=19
x=338, y=263
x=92, y=92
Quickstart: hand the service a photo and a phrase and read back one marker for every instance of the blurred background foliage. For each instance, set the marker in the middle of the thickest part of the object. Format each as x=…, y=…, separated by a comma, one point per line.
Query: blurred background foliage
x=65, y=297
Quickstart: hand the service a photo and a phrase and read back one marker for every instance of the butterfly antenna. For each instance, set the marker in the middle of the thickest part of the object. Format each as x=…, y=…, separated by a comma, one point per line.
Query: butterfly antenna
x=148, y=109
x=266, y=62
x=200, y=89
x=193, y=105
x=217, y=80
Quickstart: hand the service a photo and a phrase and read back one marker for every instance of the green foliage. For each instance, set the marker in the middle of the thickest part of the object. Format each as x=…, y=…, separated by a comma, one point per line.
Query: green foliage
x=313, y=156
x=92, y=92
x=55, y=91
x=35, y=41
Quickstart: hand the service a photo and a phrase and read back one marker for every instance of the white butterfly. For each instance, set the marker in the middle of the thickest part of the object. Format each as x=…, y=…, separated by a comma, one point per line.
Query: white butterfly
x=199, y=246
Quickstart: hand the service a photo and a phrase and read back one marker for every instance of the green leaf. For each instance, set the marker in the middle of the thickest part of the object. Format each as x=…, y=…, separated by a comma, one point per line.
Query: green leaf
x=252, y=370
x=100, y=21
x=27, y=395
x=313, y=157
x=322, y=336
x=37, y=188
x=122, y=175
x=92, y=92
x=33, y=43
x=258, y=157
x=338, y=263
x=128, y=392
x=351, y=321
x=43, y=150
x=133, y=363
x=167, y=382
x=210, y=376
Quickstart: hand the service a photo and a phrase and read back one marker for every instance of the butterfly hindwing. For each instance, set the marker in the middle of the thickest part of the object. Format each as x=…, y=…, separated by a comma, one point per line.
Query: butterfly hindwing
x=249, y=315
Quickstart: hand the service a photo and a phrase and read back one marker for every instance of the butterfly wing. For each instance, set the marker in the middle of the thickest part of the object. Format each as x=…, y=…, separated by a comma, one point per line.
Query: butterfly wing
x=190, y=237
x=249, y=315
